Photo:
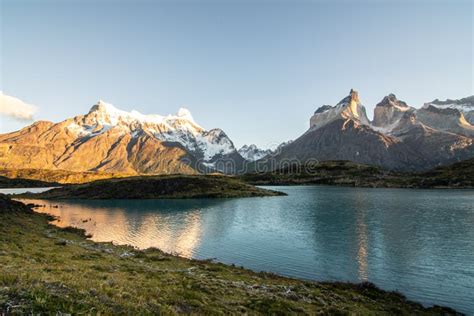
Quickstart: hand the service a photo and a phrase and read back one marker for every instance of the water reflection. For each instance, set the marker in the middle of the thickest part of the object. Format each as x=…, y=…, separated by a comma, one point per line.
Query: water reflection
x=362, y=249
x=361, y=203
x=143, y=228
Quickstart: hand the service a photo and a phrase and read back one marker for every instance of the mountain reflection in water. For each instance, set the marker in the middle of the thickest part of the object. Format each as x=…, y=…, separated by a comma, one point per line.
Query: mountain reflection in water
x=143, y=225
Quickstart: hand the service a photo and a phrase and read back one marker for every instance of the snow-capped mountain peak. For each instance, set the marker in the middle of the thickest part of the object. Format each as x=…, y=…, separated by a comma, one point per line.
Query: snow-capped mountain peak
x=185, y=114
x=392, y=101
x=253, y=153
x=174, y=128
x=464, y=105
x=109, y=114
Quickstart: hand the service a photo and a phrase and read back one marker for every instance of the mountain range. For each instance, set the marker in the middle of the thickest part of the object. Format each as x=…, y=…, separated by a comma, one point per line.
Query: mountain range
x=400, y=137
x=106, y=139
x=111, y=140
x=253, y=153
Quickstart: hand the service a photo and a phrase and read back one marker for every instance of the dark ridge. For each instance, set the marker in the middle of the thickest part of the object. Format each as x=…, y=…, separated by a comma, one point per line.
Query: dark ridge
x=468, y=100
x=459, y=175
x=24, y=183
x=157, y=187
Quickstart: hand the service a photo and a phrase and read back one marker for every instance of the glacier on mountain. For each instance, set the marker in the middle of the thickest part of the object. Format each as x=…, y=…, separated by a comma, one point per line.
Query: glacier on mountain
x=178, y=128
x=253, y=153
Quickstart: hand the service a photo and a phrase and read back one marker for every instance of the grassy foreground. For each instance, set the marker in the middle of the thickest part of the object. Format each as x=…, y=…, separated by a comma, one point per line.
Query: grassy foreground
x=49, y=270
x=158, y=187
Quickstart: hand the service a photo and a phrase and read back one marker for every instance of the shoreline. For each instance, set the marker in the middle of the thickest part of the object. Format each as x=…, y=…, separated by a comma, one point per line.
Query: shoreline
x=289, y=184
x=207, y=285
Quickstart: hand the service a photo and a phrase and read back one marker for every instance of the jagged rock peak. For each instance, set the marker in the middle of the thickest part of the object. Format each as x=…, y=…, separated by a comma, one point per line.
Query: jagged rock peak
x=464, y=105
x=323, y=108
x=348, y=108
x=102, y=106
x=353, y=97
x=389, y=112
x=217, y=135
x=251, y=146
x=441, y=110
x=391, y=100
x=464, y=101
x=253, y=153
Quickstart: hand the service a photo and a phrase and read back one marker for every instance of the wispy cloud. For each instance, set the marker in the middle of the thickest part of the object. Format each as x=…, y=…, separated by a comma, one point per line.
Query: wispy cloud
x=15, y=108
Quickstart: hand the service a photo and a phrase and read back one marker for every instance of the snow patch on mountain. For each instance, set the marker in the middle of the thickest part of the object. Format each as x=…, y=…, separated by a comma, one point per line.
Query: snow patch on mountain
x=386, y=129
x=460, y=107
x=214, y=143
x=460, y=104
x=253, y=153
x=388, y=114
x=464, y=105
x=107, y=114
x=178, y=128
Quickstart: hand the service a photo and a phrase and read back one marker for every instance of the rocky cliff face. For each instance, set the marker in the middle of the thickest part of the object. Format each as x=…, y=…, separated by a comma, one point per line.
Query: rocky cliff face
x=400, y=137
x=348, y=108
x=445, y=119
x=108, y=139
x=389, y=111
x=464, y=105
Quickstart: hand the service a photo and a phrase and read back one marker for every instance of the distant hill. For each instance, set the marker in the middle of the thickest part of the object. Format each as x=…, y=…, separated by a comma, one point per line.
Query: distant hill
x=400, y=137
x=458, y=175
x=24, y=183
x=158, y=187
x=346, y=173
x=58, y=176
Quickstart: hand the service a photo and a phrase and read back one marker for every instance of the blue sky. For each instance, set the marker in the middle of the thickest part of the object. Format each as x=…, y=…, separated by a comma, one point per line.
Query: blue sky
x=257, y=69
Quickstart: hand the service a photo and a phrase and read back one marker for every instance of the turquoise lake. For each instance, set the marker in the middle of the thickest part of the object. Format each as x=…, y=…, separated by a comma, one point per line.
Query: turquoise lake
x=418, y=242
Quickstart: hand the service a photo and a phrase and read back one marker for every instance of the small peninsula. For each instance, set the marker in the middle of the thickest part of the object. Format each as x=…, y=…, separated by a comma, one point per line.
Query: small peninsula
x=158, y=187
